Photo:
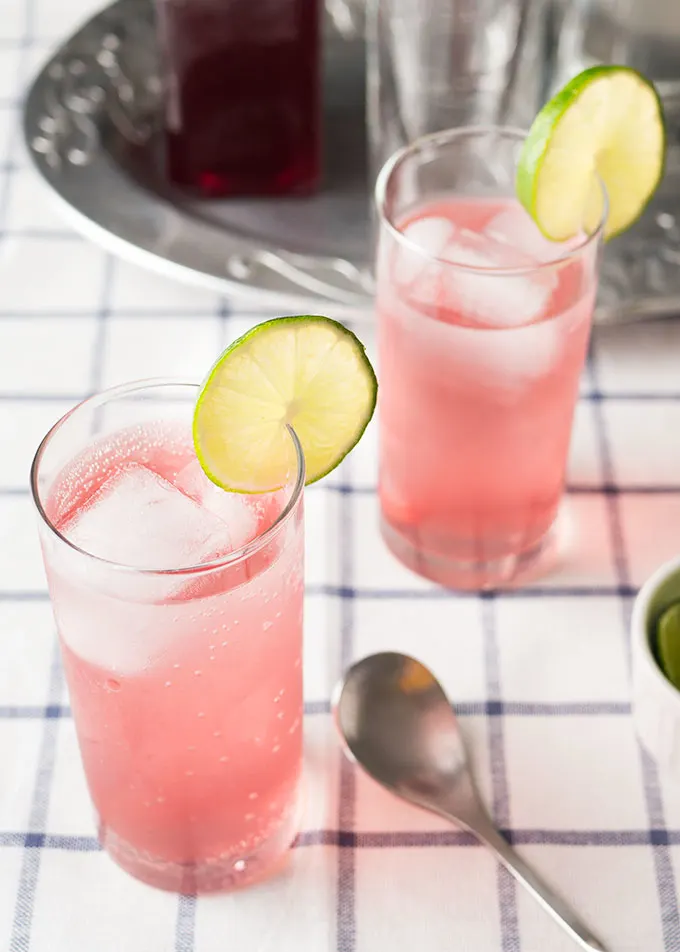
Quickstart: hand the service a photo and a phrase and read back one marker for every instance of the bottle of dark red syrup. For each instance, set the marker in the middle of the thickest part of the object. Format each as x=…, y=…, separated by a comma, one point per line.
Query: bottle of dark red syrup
x=242, y=95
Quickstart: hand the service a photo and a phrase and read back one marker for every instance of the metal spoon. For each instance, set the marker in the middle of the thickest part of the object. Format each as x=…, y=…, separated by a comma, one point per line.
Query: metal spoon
x=398, y=724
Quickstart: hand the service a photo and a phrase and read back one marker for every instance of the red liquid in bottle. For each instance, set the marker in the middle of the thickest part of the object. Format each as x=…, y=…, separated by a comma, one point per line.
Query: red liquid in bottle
x=242, y=112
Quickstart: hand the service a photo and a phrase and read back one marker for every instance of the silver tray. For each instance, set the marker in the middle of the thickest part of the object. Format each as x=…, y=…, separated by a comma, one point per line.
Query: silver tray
x=91, y=123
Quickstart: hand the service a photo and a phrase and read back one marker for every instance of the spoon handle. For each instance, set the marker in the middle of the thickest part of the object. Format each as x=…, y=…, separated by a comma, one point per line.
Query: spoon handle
x=484, y=830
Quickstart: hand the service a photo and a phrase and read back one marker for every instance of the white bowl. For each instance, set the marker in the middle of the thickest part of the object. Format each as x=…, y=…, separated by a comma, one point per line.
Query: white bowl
x=656, y=702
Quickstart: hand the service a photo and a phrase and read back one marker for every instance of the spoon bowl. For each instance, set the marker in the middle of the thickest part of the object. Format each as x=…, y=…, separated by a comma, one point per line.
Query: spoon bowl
x=398, y=725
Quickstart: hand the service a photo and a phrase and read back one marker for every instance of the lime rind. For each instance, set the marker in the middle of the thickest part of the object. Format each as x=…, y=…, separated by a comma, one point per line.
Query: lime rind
x=668, y=643
x=308, y=372
x=605, y=128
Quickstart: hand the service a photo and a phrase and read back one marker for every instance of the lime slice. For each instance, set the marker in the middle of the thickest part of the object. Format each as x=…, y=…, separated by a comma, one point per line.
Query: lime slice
x=606, y=126
x=668, y=643
x=307, y=372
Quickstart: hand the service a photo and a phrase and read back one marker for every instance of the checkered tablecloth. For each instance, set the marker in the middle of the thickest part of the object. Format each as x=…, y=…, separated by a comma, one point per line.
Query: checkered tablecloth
x=540, y=676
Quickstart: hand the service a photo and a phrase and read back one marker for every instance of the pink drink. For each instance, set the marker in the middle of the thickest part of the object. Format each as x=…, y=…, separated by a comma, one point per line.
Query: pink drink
x=482, y=338
x=186, y=686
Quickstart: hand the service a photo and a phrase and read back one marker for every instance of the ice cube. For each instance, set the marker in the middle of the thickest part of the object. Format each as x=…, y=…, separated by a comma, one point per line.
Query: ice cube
x=431, y=234
x=469, y=250
x=234, y=510
x=140, y=519
x=507, y=359
x=499, y=300
x=514, y=228
x=125, y=622
x=117, y=634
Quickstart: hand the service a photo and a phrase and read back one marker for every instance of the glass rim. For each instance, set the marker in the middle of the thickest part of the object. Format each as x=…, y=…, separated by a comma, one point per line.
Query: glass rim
x=439, y=139
x=231, y=558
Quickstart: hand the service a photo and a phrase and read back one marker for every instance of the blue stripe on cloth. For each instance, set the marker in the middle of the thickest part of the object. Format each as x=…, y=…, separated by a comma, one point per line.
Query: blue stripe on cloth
x=100, y=337
x=665, y=876
x=5, y=183
x=342, y=489
x=28, y=880
x=604, y=490
x=185, y=927
x=405, y=839
x=443, y=594
x=346, y=889
x=77, y=844
x=20, y=396
x=547, y=709
x=464, y=709
x=599, y=396
x=86, y=314
x=347, y=592
x=7, y=166
x=507, y=894
x=224, y=313
x=28, y=596
x=22, y=42
x=347, y=839
x=663, y=864
x=607, y=489
x=30, y=866
x=31, y=713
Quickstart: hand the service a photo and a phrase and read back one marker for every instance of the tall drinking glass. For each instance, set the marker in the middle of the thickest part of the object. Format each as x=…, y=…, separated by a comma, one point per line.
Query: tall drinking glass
x=179, y=611
x=644, y=34
x=438, y=64
x=483, y=327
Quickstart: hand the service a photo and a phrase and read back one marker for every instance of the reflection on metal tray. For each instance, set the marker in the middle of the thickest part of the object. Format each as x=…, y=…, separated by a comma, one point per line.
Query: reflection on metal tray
x=91, y=127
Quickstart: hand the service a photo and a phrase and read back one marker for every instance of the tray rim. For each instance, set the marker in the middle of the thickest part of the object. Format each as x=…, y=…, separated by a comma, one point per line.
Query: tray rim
x=284, y=288
x=281, y=292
